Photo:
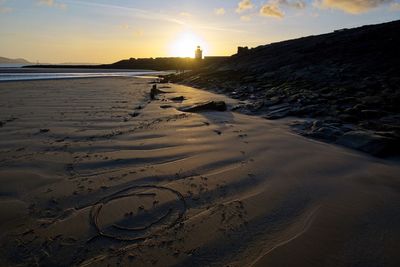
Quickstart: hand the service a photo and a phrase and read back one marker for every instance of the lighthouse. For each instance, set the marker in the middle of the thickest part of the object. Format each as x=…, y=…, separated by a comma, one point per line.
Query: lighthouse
x=198, y=55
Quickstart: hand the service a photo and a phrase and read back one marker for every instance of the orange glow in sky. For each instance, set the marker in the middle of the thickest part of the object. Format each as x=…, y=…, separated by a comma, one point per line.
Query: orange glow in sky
x=185, y=44
x=100, y=31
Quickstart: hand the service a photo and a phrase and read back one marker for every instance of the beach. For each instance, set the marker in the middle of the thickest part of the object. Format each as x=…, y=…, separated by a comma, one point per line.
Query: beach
x=95, y=173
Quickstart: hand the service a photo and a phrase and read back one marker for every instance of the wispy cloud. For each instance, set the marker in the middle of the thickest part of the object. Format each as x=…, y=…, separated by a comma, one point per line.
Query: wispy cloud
x=135, y=12
x=245, y=18
x=351, y=6
x=150, y=15
x=185, y=14
x=217, y=28
x=219, y=11
x=244, y=5
x=52, y=3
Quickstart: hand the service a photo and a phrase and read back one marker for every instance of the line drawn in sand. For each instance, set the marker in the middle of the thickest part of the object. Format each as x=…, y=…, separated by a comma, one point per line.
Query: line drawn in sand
x=174, y=214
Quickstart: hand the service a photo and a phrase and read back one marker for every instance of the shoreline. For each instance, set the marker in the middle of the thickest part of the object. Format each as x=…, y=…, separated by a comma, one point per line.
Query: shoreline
x=19, y=74
x=100, y=150
x=374, y=140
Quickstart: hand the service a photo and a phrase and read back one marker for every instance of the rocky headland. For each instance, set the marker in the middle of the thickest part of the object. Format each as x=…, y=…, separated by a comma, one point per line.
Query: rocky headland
x=343, y=87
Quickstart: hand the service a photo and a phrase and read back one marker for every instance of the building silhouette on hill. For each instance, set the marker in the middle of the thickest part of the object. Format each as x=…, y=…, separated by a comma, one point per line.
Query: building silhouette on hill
x=198, y=55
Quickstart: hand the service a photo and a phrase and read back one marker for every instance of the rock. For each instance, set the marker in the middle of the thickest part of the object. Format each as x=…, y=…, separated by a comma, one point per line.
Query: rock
x=134, y=114
x=178, y=98
x=316, y=124
x=330, y=133
x=301, y=126
x=351, y=111
x=165, y=106
x=154, y=92
x=369, y=142
x=207, y=106
x=348, y=118
x=275, y=115
x=279, y=107
x=371, y=114
x=372, y=100
x=44, y=130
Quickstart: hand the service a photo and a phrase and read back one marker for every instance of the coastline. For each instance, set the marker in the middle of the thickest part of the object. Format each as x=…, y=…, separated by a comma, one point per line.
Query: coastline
x=263, y=194
x=32, y=74
x=359, y=123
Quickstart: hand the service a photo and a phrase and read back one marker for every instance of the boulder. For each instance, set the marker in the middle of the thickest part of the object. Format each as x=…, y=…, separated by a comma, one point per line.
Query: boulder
x=207, y=106
x=326, y=132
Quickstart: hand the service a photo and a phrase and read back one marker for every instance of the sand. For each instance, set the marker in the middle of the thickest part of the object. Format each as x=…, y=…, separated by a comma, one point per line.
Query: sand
x=92, y=173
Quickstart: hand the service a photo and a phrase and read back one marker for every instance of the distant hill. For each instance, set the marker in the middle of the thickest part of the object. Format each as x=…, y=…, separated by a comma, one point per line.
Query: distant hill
x=133, y=63
x=77, y=63
x=4, y=60
x=160, y=64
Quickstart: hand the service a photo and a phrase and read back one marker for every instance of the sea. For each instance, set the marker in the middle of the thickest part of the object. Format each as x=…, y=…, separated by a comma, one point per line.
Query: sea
x=15, y=72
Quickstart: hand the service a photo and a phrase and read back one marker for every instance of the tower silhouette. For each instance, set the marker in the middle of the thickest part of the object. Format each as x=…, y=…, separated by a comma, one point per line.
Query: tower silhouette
x=198, y=53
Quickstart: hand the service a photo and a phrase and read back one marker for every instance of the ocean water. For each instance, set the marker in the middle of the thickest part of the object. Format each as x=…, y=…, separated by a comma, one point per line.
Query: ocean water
x=26, y=74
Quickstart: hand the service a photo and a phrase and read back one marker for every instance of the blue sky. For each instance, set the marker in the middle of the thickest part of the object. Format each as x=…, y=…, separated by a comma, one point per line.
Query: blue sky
x=104, y=31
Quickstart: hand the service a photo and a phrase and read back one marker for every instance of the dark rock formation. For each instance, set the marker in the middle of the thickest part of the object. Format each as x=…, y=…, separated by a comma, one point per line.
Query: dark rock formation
x=370, y=142
x=345, y=77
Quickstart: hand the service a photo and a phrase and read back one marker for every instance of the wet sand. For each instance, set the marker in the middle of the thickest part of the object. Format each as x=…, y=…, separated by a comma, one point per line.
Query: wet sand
x=92, y=173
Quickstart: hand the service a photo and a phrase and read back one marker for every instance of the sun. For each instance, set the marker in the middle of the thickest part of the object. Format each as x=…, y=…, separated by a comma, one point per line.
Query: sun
x=185, y=45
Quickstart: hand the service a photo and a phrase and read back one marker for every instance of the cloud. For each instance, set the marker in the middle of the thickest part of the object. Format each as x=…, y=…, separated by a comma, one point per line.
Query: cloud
x=245, y=18
x=185, y=14
x=298, y=4
x=134, y=12
x=52, y=3
x=219, y=11
x=244, y=5
x=271, y=10
x=152, y=16
x=351, y=6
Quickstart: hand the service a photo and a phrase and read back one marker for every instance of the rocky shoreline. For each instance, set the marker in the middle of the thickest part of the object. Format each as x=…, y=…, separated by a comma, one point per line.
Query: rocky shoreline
x=362, y=120
x=344, y=86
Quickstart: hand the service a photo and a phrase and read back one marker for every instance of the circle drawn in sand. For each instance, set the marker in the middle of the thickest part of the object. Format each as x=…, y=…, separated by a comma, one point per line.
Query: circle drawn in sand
x=168, y=215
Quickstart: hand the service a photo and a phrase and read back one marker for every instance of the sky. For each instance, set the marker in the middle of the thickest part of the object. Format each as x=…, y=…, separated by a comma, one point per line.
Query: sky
x=105, y=31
